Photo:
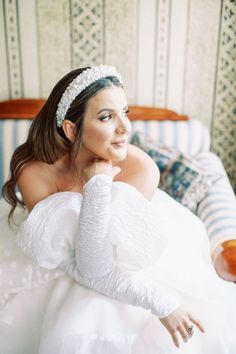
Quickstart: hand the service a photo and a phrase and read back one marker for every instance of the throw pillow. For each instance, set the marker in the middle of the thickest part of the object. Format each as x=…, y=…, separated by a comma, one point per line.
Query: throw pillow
x=181, y=175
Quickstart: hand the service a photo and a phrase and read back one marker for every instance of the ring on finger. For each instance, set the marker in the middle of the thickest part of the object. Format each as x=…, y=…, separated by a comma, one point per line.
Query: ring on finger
x=190, y=330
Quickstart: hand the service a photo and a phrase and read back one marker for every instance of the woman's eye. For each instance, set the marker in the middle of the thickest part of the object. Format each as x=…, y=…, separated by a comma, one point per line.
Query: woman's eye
x=105, y=118
x=126, y=112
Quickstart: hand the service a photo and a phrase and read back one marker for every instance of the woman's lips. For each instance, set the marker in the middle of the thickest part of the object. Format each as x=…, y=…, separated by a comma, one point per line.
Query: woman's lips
x=120, y=143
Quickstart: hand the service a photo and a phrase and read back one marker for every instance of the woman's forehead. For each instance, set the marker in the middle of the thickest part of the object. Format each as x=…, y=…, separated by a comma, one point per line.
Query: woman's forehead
x=110, y=97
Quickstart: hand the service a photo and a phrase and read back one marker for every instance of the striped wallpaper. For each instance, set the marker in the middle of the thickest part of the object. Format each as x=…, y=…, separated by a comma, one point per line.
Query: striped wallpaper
x=178, y=54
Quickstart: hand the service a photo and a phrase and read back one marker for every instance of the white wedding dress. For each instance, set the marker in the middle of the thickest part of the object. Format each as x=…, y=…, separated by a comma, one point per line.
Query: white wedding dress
x=92, y=273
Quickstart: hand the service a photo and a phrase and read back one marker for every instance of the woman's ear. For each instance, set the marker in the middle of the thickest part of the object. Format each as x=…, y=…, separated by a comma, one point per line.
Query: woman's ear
x=69, y=129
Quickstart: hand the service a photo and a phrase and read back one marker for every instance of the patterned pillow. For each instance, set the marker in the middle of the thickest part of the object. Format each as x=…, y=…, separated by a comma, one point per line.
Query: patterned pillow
x=182, y=176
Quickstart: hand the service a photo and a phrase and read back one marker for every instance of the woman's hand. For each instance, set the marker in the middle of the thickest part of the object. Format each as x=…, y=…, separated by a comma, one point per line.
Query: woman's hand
x=181, y=321
x=99, y=166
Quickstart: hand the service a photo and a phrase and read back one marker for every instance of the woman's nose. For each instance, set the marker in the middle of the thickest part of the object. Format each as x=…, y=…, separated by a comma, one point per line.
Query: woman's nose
x=122, y=125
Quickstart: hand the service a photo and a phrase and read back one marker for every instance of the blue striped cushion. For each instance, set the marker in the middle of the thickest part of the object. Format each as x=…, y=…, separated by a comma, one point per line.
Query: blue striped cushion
x=218, y=209
x=186, y=136
x=12, y=134
x=182, y=175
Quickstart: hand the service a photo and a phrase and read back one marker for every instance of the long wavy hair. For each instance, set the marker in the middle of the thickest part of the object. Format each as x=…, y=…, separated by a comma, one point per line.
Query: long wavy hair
x=46, y=141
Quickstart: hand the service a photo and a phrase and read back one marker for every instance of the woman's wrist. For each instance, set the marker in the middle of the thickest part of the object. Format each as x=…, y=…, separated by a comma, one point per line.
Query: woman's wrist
x=100, y=178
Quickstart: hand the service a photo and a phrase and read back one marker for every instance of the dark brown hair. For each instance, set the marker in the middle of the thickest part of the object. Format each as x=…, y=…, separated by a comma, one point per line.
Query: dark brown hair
x=46, y=141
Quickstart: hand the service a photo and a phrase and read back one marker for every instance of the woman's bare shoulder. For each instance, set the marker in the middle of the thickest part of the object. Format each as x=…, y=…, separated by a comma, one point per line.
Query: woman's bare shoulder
x=139, y=170
x=35, y=183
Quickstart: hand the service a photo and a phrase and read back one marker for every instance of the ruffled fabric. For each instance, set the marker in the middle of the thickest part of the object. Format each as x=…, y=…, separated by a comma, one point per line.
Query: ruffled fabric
x=84, y=249
x=48, y=234
x=51, y=254
x=62, y=316
x=17, y=271
x=139, y=242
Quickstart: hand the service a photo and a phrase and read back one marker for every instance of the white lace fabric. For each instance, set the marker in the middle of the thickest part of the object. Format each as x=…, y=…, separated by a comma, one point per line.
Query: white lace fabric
x=96, y=267
x=87, y=237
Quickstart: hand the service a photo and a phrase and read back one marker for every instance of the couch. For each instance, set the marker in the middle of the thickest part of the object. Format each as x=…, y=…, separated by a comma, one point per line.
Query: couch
x=164, y=129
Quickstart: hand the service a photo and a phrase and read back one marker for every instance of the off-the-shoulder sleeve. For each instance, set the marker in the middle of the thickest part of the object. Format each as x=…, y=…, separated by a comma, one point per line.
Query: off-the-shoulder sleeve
x=71, y=231
x=95, y=265
x=48, y=233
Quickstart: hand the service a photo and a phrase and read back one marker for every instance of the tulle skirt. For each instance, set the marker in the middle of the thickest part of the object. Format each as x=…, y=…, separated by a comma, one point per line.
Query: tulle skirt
x=62, y=317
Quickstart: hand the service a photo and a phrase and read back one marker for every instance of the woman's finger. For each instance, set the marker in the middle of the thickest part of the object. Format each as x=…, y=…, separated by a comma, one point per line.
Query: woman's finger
x=189, y=328
x=184, y=333
x=175, y=338
x=197, y=323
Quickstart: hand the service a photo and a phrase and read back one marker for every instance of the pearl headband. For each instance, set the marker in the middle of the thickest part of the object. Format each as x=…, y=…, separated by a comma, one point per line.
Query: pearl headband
x=80, y=83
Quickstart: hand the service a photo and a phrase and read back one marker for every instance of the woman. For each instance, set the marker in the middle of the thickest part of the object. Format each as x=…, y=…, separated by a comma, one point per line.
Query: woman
x=113, y=246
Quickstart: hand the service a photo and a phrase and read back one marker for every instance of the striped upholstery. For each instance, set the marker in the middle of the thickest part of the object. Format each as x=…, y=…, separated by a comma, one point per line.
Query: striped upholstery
x=12, y=134
x=186, y=136
x=218, y=209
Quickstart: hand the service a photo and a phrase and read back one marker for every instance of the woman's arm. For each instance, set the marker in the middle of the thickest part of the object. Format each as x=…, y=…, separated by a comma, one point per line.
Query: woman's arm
x=96, y=268
x=45, y=238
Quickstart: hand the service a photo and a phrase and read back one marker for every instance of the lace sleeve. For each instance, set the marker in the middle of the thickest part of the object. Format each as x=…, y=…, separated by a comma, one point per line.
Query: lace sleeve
x=95, y=266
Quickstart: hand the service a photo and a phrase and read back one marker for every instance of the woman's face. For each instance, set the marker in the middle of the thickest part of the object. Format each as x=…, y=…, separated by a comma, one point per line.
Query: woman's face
x=106, y=125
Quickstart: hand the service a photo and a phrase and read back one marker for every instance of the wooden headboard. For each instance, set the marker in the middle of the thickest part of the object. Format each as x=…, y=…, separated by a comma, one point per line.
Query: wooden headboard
x=28, y=108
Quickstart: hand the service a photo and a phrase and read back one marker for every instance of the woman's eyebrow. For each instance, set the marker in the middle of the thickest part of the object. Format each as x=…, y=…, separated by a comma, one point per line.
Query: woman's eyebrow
x=106, y=109
x=110, y=110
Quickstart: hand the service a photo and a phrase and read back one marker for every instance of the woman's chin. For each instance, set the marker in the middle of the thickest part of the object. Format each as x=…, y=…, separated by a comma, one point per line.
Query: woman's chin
x=118, y=156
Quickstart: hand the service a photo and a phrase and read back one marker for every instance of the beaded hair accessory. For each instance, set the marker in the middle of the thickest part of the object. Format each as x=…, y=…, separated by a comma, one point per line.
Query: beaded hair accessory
x=80, y=83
